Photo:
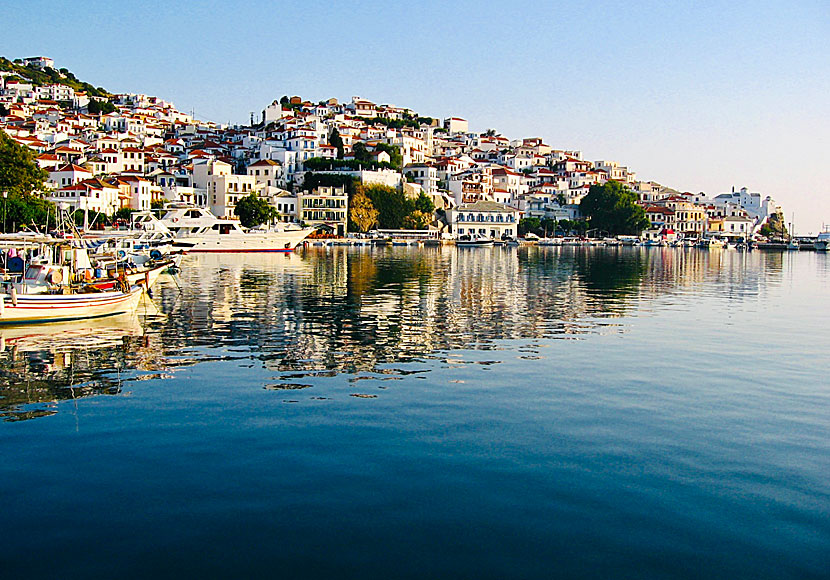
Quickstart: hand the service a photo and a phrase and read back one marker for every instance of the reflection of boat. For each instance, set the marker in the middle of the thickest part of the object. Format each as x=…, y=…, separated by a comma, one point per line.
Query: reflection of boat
x=46, y=363
x=256, y=261
x=40, y=308
x=196, y=229
x=822, y=242
x=71, y=335
x=467, y=241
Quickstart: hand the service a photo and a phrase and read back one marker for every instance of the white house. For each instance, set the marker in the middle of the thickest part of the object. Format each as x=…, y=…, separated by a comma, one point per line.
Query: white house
x=140, y=192
x=425, y=175
x=55, y=92
x=456, y=125
x=66, y=175
x=90, y=194
x=484, y=218
x=287, y=204
x=266, y=172
x=39, y=62
x=224, y=189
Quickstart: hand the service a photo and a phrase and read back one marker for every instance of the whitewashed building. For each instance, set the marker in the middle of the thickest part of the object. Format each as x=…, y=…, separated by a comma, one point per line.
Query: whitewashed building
x=484, y=218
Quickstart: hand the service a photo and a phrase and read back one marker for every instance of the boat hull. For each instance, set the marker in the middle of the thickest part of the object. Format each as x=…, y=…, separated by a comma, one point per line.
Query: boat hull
x=249, y=242
x=42, y=308
x=474, y=244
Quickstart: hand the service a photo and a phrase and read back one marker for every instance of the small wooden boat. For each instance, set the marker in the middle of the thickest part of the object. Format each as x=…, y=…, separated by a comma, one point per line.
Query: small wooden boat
x=41, y=308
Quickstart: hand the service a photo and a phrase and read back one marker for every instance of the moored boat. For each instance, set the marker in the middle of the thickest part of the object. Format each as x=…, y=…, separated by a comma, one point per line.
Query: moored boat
x=822, y=241
x=196, y=229
x=549, y=242
x=629, y=240
x=41, y=308
x=467, y=241
x=711, y=243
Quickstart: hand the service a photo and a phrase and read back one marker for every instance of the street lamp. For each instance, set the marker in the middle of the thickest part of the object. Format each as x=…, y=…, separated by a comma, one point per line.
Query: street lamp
x=5, y=195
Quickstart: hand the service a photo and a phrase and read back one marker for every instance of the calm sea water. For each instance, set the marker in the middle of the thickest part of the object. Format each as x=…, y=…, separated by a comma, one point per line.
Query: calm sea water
x=401, y=413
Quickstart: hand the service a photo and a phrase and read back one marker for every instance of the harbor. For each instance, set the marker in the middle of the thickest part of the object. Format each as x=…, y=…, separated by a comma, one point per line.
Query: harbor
x=72, y=275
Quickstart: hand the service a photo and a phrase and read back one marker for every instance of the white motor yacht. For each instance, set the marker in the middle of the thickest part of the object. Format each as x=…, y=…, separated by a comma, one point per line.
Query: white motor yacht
x=470, y=241
x=196, y=229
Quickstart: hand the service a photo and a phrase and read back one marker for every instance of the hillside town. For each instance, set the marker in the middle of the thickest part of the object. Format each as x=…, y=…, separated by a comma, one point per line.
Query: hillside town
x=107, y=153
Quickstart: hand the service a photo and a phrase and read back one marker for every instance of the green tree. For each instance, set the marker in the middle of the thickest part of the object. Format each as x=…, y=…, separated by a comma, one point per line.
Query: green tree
x=548, y=227
x=361, y=153
x=424, y=204
x=19, y=173
x=27, y=211
x=252, y=211
x=362, y=214
x=391, y=203
x=530, y=225
x=612, y=208
x=337, y=141
x=95, y=107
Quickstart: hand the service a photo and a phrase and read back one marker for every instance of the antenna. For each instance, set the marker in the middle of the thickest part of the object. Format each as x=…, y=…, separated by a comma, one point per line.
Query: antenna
x=252, y=118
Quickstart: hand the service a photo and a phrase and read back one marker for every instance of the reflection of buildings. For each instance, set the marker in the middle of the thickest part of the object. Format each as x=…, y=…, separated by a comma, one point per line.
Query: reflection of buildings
x=353, y=309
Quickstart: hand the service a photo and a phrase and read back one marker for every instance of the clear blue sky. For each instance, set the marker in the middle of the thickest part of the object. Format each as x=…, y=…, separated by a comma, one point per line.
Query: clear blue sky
x=699, y=95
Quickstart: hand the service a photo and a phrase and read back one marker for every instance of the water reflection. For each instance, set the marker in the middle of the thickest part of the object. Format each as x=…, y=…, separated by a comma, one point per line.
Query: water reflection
x=353, y=311
x=44, y=364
